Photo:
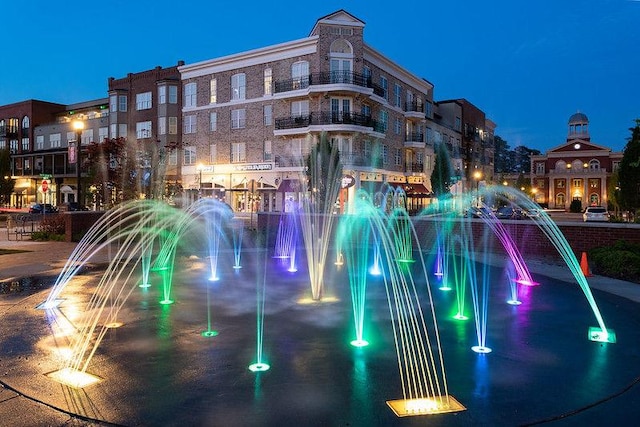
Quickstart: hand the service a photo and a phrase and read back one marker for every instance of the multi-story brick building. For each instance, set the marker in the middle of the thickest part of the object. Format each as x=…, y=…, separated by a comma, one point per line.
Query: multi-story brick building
x=238, y=127
x=576, y=170
x=249, y=118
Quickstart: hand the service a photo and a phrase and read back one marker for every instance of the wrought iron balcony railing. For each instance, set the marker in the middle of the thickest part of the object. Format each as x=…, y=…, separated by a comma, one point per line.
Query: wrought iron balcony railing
x=325, y=78
x=327, y=118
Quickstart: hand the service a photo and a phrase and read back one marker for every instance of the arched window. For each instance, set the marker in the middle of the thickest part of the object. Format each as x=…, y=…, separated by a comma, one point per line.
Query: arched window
x=561, y=165
x=577, y=165
x=594, y=165
x=341, y=64
x=25, y=122
x=560, y=200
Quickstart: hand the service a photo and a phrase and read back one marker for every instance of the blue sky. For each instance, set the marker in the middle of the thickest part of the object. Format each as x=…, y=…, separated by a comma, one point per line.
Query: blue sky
x=528, y=65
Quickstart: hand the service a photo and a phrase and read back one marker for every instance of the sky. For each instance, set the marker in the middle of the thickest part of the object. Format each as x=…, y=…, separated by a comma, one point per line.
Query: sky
x=528, y=65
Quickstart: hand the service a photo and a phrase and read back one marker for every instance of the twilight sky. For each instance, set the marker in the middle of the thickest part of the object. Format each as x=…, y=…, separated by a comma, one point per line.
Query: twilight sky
x=528, y=65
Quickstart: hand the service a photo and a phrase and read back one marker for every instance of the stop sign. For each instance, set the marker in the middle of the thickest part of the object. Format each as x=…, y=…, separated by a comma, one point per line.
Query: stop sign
x=45, y=185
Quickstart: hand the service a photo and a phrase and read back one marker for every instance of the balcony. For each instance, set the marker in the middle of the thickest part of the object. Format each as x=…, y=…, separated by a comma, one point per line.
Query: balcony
x=414, y=110
x=414, y=167
x=327, y=78
x=360, y=160
x=414, y=140
x=325, y=118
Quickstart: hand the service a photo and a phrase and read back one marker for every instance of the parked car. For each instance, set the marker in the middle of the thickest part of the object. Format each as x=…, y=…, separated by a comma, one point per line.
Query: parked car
x=72, y=207
x=508, y=212
x=38, y=208
x=476, y=212
x=595, y=213
x=532, y=213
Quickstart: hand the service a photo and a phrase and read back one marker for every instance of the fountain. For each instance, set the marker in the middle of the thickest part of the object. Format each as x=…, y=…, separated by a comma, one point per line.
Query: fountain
x=157, y=249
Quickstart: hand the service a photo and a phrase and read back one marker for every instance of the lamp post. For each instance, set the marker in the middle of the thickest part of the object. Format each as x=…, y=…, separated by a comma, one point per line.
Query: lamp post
x=78, y=125
x=477, y=175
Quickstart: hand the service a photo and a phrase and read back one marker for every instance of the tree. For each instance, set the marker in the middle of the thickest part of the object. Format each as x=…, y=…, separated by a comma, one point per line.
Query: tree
x=112, y=171
x=613, y=193
x=522, y=158
x=503, y=158
x=6, y=183
x=442, y=174
x=629, y=171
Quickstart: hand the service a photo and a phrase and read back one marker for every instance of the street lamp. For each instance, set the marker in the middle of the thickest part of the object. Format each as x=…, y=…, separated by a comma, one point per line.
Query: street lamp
x=477, y=175
x=78, y=126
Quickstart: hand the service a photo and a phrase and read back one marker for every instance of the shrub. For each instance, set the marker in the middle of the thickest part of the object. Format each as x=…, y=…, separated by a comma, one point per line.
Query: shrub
x=575, y=206
x=620, y=260
x=53, y=224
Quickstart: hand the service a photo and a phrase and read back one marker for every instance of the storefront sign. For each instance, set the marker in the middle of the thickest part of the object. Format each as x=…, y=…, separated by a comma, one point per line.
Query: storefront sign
x=348, y=181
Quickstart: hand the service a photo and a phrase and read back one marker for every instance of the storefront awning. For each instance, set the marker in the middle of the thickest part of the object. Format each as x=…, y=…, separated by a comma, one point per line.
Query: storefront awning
x=290, y=186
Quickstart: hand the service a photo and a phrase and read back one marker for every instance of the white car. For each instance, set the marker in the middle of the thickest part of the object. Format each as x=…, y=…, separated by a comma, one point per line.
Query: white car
x=595, y=213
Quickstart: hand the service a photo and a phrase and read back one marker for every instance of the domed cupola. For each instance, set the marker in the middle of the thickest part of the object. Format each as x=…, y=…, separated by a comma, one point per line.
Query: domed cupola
x=578, y=127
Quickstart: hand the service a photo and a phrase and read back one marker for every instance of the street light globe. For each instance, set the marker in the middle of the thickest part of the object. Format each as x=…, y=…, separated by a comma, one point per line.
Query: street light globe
x=477, y=175
x=78, y=124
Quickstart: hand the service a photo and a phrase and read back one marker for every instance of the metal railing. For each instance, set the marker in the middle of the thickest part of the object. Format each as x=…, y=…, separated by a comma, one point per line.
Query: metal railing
x=325, y=78
x=327, y=118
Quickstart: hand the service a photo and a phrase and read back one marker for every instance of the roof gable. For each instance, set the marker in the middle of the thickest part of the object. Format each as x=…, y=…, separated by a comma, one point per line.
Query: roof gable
x=340, y=17
x=578, y=145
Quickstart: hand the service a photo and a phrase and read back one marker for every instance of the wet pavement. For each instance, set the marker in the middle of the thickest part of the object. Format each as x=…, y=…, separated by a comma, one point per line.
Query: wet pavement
x=158, y=370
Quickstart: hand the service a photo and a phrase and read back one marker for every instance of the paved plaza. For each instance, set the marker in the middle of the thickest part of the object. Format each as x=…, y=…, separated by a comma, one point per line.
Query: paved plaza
x=158, y=370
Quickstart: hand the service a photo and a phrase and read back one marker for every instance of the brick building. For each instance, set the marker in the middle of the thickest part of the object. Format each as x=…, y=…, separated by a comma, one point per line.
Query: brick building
x=576, y=170
x=250, y=118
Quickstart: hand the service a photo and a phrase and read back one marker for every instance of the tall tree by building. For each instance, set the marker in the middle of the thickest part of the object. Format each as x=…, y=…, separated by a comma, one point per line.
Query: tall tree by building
x=442, y=173
x=629, y=172
x=6, y=183
x=503, y=156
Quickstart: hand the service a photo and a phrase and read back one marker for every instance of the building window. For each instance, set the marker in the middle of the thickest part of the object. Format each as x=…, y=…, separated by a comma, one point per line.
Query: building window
x=594, y=183
x=113, y=103
x=213, y=91
x=25, y=144
x=113, y=130
x=238, y=153
x=367, y=149
x=267, y=151
x=213, y=121
x=13, y=146
x=384, y=121
x=238, y=86
x=162, y=94
x=458, y=121
x=162, y=125
x=173, y=125
x=560, y=200
x=238, y=118
x=577, y=183
x=300, y=108
x=190, y=95
x=122, y=103
x=268, y=80
x=366, y=110
x=103, y=133
x=40, y=142
x=366, y=73
x=173, y=157
x=540, y=183
x=385, y=154
x=385, y=87
x=55, y=140
x=268, y=115
x=397, y=95
x=398, y=157
x=540, y=168
x=189, y=124
x=427, y=162
x=213, y=154
x=615, y=166
x=143, y=130
x=25, y=123
x=398, y=126
x=189, y=156
x=594, y=165
x=173, y=94
x=143, y=101
x=300, y=74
